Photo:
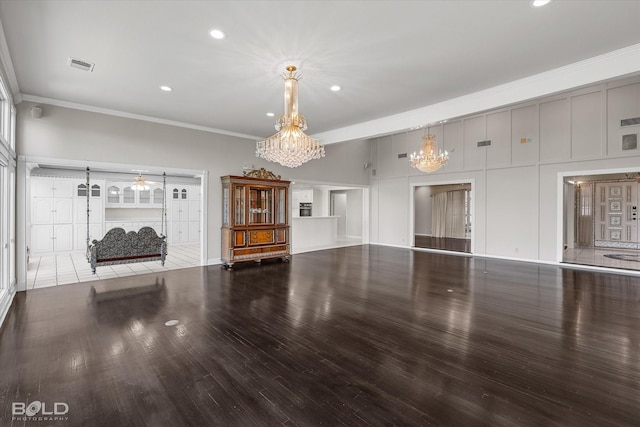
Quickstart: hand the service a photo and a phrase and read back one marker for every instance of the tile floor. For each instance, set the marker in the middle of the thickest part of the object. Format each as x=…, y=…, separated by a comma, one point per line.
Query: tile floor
x=55, y=270
x=596, y=257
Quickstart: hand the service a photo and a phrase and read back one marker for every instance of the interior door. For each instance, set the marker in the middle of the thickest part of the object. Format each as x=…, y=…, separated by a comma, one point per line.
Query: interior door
x=616, y=215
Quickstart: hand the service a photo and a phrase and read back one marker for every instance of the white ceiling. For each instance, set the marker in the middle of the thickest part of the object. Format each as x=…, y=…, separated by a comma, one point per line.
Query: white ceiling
x=389, y=56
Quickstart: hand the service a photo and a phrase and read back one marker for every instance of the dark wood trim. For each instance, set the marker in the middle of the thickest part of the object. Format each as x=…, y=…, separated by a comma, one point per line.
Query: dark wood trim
x=443, y=243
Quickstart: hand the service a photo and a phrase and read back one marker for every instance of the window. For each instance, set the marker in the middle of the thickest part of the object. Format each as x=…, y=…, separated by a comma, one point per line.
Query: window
x=184, y=194
x=7, y=191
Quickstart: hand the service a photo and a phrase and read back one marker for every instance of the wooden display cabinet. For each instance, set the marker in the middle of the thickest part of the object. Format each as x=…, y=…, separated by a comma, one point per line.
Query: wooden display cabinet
x=255, y=217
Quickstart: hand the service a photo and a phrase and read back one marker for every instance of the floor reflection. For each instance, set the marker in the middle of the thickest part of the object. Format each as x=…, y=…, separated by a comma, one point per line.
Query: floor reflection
x=119, y=306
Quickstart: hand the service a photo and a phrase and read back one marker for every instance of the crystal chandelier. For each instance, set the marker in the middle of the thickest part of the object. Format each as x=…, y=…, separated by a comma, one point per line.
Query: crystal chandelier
x=290, y=146
x=430, y=158
x=140, y=183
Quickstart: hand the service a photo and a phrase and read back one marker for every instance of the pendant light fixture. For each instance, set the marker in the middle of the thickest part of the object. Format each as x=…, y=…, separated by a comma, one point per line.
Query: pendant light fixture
x=430, y=158
x=290, y=146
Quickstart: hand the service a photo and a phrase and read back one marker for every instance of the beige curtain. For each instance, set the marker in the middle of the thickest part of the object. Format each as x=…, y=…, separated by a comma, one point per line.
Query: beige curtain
x=584, y=215
x=455, y=214
x=439, y=215
x=447, y=219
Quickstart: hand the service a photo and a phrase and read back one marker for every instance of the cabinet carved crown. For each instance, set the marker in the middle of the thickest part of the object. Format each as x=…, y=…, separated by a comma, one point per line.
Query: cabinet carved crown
x=261, y=173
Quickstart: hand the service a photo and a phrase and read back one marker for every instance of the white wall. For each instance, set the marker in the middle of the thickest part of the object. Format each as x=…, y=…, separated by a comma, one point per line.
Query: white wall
x=422, y=210
x=354, y=213
x=517, y=199
x=64, y=133
x=320, y=202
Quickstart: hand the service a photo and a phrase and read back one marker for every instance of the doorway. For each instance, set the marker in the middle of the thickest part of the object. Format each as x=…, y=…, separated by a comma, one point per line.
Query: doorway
x=339, y=209
x=601, y=220
x=443, y=217
x=64, y=215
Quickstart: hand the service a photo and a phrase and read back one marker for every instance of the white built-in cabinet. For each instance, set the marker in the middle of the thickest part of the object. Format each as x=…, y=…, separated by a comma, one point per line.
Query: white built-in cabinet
x=122, y=194
x=184, y=214
x=51, y=215
x=59, y=212
x=297, y=197
x=96, y=212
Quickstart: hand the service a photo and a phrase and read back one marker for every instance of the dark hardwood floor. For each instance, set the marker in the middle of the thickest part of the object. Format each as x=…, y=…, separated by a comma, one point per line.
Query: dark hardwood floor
x=363, y=335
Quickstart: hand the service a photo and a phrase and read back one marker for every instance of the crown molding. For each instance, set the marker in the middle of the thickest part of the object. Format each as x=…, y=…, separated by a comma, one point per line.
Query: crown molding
x=5, y=58
x=604, y=67
x=100, y=110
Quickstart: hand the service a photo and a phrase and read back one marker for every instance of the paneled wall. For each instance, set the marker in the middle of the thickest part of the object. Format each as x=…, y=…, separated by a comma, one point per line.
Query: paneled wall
x=516, y=177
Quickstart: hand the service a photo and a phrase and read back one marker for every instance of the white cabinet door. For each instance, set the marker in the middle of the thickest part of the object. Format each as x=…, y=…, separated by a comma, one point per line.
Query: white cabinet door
x=42, y=211
x=193, y=213
x=80, y=235
x=130, y=226
x=63, y=187
x=63, y=237
x=175, y=210
x=194, y=231
x=178, y=232
x=51, y=187
x=41, y=187
x=195, y=192
x=96, y=210
x=41, y=238
x=156, y=225
x=63, y=210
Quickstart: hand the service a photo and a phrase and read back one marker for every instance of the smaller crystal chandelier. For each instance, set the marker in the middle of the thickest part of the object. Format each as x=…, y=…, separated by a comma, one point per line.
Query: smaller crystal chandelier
x=430, y=158
x=290, y=146
x=140, y=183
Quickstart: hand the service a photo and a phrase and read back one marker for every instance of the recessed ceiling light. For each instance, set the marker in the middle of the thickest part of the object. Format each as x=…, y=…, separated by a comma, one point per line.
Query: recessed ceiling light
x=270, y=114
x=166, y=88
x=538, y=3
x=217, y=34
x=336, y=88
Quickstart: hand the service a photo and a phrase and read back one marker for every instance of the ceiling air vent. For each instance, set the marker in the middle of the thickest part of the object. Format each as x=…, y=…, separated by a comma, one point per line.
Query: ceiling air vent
x=630, y=122
x=80, y=64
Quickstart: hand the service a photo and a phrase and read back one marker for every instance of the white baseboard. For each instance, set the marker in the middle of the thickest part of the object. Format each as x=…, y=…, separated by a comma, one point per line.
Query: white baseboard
x=214, y=261
x=5, y=303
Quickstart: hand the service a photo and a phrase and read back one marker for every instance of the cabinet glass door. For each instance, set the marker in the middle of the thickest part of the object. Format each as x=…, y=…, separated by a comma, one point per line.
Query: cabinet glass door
x=261, y=208
x=225, y=205
x=158, y=196
x=239, y=206
x=282, y=203
x=128, y=195
x=145, y=197
x=113, y=194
